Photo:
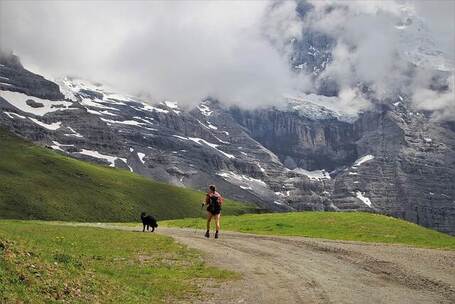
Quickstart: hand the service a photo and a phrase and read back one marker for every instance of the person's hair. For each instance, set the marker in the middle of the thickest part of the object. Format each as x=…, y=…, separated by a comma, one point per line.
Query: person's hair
x=212, y=187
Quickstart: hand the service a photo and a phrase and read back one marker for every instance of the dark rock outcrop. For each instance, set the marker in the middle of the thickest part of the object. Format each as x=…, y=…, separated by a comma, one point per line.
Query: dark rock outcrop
x=34, y=104
x=16, y=78
x=299, y=141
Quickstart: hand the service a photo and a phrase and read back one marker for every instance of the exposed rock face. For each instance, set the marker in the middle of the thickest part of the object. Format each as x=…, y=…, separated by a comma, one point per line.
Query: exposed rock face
x=34, y=104
x=420, y=163
x=16, y=78
x=391, y=159
x=299, y=141
x=411, y=175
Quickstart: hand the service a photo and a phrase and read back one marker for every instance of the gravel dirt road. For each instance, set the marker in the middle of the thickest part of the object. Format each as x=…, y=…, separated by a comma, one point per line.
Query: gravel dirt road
x=303, y=270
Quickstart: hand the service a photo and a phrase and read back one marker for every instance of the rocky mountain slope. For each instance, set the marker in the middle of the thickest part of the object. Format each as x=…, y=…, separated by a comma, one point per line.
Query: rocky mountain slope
x=389, y=160
x=42, y=184
x=302, y=154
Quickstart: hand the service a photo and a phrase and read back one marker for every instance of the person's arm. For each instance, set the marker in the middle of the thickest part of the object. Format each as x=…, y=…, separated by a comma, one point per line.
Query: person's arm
x=221, y=200
x=207, y=199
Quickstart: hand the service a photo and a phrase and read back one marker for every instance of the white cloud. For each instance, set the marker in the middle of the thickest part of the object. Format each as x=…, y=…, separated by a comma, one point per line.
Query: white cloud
x=176, y=50
x=441, y=103
x=440, y=17
x=235, y=51
x=371, y=49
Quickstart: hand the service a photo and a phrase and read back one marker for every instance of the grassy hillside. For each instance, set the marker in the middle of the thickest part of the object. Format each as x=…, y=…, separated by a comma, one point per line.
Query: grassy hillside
x=44, y=263
x=353, y=226
x=38, y=183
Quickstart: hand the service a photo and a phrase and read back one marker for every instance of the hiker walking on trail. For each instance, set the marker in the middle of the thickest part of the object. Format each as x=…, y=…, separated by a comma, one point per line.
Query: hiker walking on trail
x=213, y=201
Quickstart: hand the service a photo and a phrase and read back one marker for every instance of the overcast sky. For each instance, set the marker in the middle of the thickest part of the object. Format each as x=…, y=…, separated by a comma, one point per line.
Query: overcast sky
x=440, y=16
x=186, y=50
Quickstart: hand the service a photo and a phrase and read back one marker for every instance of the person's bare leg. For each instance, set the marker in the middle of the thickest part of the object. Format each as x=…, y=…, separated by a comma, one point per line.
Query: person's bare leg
x=209, y=218
x=217, y=219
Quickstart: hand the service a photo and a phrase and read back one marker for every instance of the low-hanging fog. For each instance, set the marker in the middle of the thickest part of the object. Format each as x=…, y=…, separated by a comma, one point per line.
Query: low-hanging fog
x=237, y=52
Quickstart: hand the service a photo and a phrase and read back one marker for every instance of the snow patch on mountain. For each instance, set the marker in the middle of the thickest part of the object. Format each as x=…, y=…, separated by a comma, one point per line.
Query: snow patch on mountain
x=283, y=194
x=72, y=87
x=124, y=122
x=108, y=113
x=19, y=100
x=150, y=108
x=173, y=105
x=207, y=127
x=222, y=141
x=364, y=199
x=316, y=174
x=318, y=107
x=12, y=115
x=260, y=167
x=362, y=160
x=201, y=141
x=241, y=179
x=73, y=133
x=141, y=157
x=246, y=187
x=66, y=89
x=102, y=113
x=213, y=127
x=57, y=146
x=88, y=102
x=204, y=109
x=115, y=98
x=53, y=126
x=109, y=158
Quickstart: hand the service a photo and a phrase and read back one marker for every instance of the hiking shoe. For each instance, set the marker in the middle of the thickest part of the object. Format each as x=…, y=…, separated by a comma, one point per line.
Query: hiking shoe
x=216, y=234
x=207, y=234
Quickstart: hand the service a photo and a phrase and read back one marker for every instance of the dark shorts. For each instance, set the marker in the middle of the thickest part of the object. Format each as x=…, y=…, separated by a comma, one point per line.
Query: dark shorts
x=213, y=210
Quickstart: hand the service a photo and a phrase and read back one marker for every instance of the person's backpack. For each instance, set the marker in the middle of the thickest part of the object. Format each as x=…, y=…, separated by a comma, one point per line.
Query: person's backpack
x=214, y=203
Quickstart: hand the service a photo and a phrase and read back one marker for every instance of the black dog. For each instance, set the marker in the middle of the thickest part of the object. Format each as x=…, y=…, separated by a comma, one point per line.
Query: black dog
x=149, y=221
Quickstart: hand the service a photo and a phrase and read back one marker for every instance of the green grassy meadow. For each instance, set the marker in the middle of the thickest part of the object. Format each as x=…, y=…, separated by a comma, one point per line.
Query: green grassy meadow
x=48, y=263
x=349, y=226
x=38, y=183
